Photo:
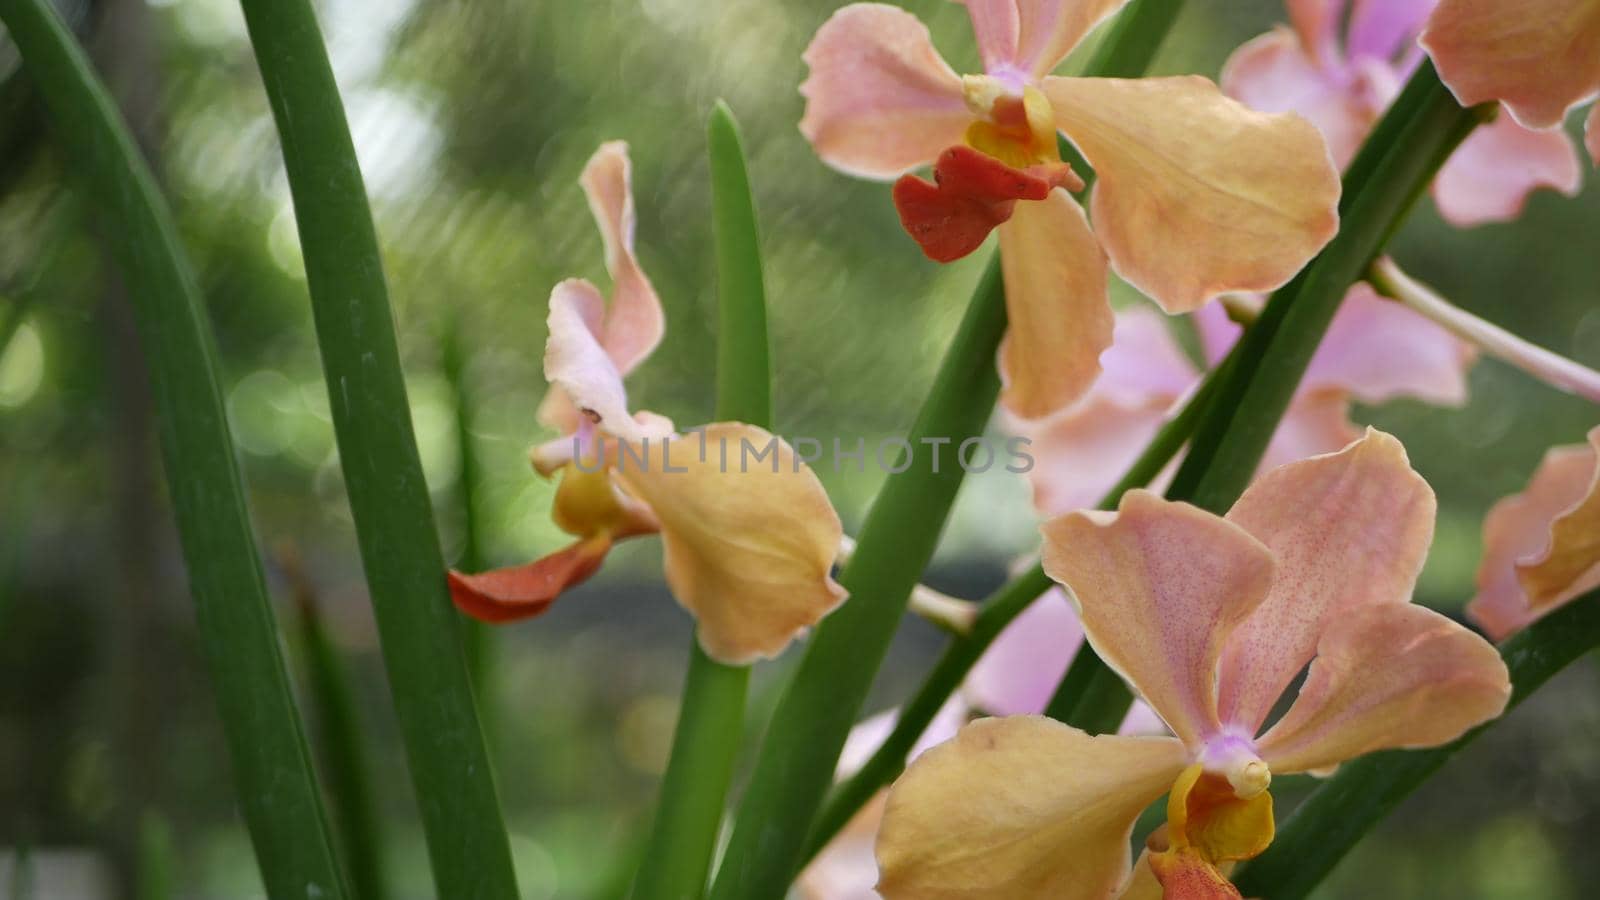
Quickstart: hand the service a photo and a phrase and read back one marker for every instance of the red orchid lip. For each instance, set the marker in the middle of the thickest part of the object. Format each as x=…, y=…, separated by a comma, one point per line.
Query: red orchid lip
x=971, y=194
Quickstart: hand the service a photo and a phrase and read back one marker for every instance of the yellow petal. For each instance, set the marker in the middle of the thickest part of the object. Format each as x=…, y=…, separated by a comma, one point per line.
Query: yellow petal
x=1021, y=808
x=1204, y=813
x=1160, y=586
x=749, y=534
x=1539, y=57
x=1571, y=565
x=1198, y=195
x=1387, y=676
x=1060, y=318
x=1348, y=529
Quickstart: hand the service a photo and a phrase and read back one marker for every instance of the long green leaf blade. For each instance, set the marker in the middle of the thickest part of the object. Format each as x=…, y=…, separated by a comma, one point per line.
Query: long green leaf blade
x=706, y=744
x=400, y=553
x=266, y=742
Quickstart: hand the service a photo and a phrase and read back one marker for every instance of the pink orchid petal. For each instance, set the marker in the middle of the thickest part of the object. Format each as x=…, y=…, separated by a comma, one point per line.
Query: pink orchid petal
x=634, y=322
x=1020, y=807
x=1145, y=361
x=1348, y=529
x=1081, y=454
x=1377, y=350
x=1316, y=23
x=870, y=733
x=1591, y=134
x=1026, y=39
x=1185, y=219
x=997, y=25
x=1540, y=57
x=1317, y=422
x=1274, y=74
x=1387, y=676
x=1019, y=672
x=1381, y=29
x=846, y=868
x=1159, y=587
x=880, y=101
x=1570, y=564
x=1060, y=316
x=1490, y=177
x=1518, y=530
x=576, y=364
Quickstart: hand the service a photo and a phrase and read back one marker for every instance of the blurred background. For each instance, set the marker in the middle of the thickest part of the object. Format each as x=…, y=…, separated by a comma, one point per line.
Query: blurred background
x=472, y=122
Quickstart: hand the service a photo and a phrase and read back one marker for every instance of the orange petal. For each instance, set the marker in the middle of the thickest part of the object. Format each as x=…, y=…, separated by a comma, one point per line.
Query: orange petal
x=1160, y=586
x=971, y=194
x=1198, y=195
x=634, y=322
x=1185, y=875
x=1539, y=57
x=1517, y=532
x=522, y=592
x=1499, y=166
x=1060, y=317
x=880, y=100
x=749, y=533
x=1347, y=529
x=1571, y=565
x=1387, y=676
x=1021, y=807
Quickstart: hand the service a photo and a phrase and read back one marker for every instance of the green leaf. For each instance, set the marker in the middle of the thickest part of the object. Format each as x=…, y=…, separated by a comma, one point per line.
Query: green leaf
x=1336, y=816
x=266, y=742
x=405, y=571
x=706, y=744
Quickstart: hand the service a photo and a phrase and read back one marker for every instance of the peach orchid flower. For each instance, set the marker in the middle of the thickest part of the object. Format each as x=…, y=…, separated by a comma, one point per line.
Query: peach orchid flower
x=1541, y=548
x=1375, y=351
x=1210, y=619
x=1196, y=195
x=749, y=547
x=1541, y=58
x=1343, y=82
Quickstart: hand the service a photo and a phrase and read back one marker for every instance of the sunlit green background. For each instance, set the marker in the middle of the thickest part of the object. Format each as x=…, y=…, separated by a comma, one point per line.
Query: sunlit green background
x=472, y=122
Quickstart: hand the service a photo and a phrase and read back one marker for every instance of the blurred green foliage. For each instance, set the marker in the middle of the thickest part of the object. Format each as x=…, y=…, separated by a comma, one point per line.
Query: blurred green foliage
x=472, y=121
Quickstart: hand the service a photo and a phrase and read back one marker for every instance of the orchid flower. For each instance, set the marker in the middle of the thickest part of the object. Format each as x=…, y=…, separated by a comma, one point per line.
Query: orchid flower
x=1196, y=195
x=1375, y=350
x=1541, y=58
x=1541, y=548
x=748, y=546
x=1343, y=83
x=1210, y=619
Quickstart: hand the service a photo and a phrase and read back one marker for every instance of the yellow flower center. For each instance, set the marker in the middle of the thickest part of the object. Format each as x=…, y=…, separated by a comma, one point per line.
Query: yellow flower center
x=587, y=503
x=1214, y=819
x=1017, y=129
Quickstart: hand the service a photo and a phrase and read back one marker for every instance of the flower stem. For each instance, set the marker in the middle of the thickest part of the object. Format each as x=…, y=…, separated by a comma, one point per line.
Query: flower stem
x=677, y=860
x=276, y=790
x=1551, y=368
x=405, y=570
x=1343, y=809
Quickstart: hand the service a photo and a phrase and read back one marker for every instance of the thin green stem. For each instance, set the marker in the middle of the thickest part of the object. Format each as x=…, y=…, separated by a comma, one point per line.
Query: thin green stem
x=477, y=638
x=677, y=861
x=271, y=764
x=405, y=570
x=1343, y=809
x=962, y=653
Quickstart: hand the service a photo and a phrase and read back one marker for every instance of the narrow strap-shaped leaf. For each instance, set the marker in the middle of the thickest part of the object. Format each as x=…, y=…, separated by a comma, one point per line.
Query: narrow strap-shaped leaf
x=705, y=746
x=1343, y=809
x=825, y=695
x=266, y=742
x=400, y=553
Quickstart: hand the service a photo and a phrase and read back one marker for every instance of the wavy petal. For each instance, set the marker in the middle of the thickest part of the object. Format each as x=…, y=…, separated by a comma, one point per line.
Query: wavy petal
x=1198, y=195
x=1538, y=58
x=1348, y=530
x=1518, y=529
x=1159, y=587
x=1317, y=422
x=634, y=322
x=1021, y=807
x=522, y=592
x=1385, y=677
x=749, y=534
x=1060, y=316
x=1378, y=350
x=577, y=364
x=1571, y=563
x=1492, y=174
x=1275, y=74
x=880, y=101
